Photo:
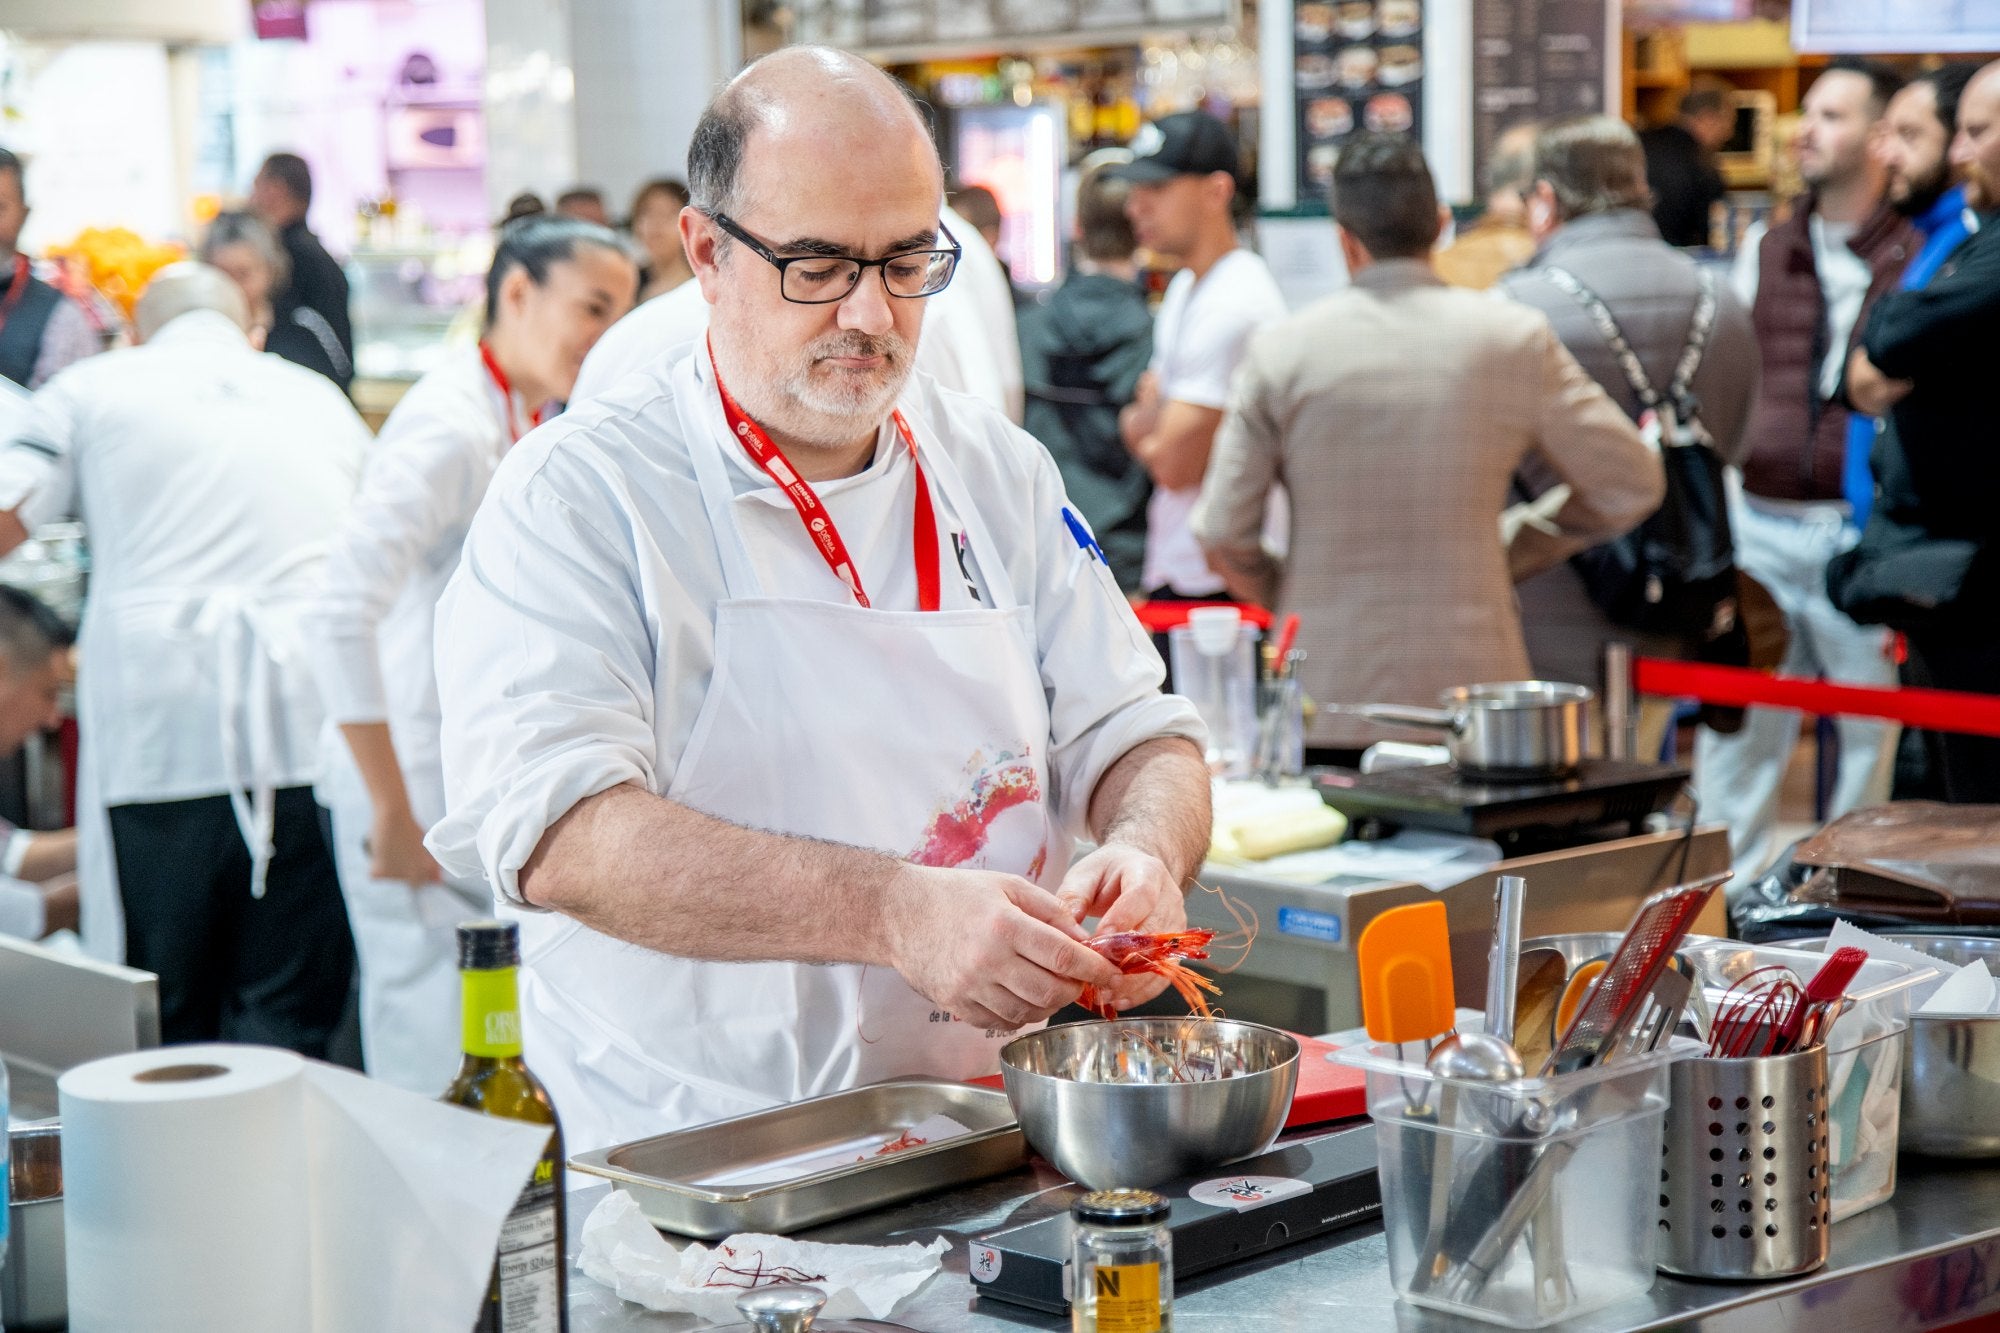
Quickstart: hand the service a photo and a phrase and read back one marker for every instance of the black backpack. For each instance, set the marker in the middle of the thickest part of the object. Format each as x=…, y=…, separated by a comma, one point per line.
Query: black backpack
x=1676, y=572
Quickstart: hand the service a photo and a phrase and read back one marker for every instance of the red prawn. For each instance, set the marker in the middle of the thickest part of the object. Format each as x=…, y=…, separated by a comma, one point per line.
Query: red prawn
x=1133, y=952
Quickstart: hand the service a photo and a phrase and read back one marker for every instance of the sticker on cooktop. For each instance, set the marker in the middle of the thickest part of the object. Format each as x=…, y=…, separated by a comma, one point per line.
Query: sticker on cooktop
x=1312, y=925
x=984, y=1262
x=1246, y=1192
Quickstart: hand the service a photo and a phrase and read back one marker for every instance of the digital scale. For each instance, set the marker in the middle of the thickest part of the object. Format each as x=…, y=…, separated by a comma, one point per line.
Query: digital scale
x=1284, y=1196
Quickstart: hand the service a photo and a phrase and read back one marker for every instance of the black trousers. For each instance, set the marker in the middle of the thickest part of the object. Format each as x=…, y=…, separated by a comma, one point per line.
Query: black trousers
x=273, y=970
x=1967, y=767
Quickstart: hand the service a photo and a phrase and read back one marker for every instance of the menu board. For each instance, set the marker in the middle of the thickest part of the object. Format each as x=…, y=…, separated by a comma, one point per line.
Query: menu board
x=1881, y=26
x=1534, y=59
x=1356, y=64
x=876, y=24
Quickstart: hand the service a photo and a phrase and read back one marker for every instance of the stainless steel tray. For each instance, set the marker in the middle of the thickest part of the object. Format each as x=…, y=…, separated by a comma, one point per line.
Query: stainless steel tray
x=687, y=1182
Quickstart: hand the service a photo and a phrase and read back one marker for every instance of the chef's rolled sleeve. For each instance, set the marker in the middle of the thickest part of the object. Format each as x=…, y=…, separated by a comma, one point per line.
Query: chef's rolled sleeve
x=545, y=673
x=1099, y=668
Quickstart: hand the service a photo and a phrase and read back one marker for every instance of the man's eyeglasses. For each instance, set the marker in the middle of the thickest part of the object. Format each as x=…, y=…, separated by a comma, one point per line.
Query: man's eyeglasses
x=824, y=279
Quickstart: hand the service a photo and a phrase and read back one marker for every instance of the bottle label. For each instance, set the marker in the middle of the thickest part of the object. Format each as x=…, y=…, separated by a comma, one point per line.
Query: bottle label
x=1128, y=1298
x=491, y=1012
x=529, y=1258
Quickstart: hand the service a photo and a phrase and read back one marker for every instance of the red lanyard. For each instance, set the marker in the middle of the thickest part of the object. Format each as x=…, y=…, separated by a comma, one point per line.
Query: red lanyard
x=499, y=378
x=819, y=524
x=15, y=289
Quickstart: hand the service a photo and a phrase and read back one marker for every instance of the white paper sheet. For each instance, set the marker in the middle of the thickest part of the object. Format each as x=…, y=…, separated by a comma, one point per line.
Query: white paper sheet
x=623, y=1251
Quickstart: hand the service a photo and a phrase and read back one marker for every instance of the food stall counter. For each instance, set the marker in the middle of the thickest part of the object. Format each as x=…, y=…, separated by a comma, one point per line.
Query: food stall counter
x=1300, y=973
x=1926, y=1259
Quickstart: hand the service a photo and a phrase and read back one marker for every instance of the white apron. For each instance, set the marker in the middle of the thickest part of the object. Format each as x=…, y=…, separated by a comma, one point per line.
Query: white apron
x=922, y=734
x=247, y=637
x=405, y=936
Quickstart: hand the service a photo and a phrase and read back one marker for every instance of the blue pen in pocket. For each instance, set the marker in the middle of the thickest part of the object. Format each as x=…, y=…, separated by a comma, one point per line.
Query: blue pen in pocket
x=1082, y=534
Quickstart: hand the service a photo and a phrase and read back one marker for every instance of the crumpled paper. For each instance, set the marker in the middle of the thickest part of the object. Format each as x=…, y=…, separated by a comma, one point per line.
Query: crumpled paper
x=623, y=1251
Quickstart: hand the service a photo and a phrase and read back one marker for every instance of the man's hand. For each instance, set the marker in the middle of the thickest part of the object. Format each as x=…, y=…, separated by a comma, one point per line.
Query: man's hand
x=995, y=949
x=396, y=850
x=1126, y=889
x=1869, y=389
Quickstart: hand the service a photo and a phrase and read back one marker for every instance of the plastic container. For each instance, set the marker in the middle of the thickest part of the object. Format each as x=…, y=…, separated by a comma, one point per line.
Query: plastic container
x=1516, y=1203
x=1864, y=1056
x=1214, y=660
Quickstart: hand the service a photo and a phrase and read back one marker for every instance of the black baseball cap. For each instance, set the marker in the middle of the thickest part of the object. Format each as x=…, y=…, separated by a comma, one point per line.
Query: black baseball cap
x=1187, y=143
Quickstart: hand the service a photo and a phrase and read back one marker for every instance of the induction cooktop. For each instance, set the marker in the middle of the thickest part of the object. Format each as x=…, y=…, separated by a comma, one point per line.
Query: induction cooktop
x=1602, y=794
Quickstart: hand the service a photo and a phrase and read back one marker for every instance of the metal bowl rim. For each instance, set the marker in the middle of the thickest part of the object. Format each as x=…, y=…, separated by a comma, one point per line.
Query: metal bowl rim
x=1009, y=1066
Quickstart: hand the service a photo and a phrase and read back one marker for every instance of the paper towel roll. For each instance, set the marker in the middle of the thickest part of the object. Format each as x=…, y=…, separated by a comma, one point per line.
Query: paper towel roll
x=241, y=1189
x=186, y=1192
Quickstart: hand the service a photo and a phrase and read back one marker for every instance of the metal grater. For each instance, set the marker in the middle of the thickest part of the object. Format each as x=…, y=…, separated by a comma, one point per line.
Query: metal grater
x=1662, y=922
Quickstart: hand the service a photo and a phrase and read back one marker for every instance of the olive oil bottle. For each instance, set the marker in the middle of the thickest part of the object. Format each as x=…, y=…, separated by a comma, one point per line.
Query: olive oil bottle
x=530, y=1284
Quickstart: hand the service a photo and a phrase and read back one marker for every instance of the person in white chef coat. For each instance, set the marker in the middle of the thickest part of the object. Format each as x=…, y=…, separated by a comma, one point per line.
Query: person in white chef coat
x=555, y=285
x=211, y=477
x=777, y=688
x=970, y=341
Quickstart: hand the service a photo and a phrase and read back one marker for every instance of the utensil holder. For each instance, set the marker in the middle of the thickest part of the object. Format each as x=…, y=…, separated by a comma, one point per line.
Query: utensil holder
x=1745, y=1189
x=1515, y=1203
x=1281, y=728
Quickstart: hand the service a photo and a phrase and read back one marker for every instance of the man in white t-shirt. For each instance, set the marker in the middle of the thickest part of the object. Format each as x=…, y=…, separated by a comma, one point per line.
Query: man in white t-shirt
x=1183, y=175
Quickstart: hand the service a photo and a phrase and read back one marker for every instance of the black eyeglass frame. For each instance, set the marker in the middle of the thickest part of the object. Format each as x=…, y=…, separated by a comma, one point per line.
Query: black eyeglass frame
x=783, y=262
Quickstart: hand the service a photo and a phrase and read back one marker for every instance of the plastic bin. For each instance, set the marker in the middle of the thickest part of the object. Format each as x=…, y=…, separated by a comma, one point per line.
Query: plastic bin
x=1517, y=1203
x=1864, y=1056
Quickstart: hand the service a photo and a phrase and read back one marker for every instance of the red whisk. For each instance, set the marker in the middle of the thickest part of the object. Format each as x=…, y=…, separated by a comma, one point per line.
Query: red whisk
x=1756, y=1015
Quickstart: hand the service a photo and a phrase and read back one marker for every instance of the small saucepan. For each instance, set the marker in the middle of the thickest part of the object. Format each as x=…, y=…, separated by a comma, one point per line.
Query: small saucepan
x=1510, y=730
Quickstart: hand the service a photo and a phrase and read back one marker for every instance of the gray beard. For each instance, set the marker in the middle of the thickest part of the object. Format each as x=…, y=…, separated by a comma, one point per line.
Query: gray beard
x=818, y=414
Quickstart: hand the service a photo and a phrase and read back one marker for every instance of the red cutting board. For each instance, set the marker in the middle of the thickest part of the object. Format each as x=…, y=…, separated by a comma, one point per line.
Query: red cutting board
x=1326, y=1091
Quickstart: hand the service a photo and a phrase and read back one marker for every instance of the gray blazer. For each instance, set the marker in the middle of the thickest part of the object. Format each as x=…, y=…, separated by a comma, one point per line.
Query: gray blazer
x=1651, y=289
x=1396, y=411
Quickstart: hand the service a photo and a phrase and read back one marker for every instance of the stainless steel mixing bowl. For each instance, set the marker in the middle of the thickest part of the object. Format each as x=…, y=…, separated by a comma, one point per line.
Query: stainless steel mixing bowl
x=1190, y=1093
x=1951, y=1066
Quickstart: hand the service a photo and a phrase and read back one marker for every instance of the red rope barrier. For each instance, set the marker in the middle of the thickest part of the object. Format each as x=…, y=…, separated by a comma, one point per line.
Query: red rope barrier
x=1933, y=710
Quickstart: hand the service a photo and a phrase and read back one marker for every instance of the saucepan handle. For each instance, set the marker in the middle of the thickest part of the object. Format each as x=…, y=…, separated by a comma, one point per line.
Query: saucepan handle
x=1407, y=714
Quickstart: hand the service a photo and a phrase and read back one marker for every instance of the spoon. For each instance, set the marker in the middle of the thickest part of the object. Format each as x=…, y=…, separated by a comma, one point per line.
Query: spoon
x=1478, y=1057
x=1542, y=976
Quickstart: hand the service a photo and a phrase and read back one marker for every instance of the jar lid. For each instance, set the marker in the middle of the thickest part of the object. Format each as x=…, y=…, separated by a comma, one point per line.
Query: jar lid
x=1120, y=1208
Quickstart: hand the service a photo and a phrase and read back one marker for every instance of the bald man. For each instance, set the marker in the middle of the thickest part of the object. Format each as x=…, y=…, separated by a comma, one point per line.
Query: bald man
x=778, y=684
x=211, y=473
x=1928, y=562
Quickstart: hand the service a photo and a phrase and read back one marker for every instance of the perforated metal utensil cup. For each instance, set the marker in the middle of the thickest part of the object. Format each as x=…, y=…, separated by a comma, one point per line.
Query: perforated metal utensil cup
x=1744, y=1184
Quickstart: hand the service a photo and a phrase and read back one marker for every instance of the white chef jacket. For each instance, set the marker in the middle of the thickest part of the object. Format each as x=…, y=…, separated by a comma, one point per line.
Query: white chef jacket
x=197, y=464
x=13, y=408
x=576, y=642
x=370, y=630
x=969, y=341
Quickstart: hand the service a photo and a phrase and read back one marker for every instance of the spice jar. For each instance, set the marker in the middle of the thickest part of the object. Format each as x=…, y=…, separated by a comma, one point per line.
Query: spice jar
x=1123, y=1272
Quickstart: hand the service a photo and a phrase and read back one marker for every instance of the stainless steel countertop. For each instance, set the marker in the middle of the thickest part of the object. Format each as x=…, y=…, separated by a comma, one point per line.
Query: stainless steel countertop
x=1926, y=1258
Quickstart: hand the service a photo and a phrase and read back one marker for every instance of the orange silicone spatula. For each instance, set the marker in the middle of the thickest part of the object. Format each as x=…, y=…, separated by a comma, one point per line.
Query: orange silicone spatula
x=1404, y=957
x=1580, y=982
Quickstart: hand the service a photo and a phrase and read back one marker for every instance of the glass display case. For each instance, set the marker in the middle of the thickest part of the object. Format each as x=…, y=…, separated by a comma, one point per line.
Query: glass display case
x=412, y=302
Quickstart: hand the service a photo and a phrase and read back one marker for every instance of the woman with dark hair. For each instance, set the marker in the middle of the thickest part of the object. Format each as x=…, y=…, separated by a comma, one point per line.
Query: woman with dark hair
x=556, y=284
x=656, y=226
